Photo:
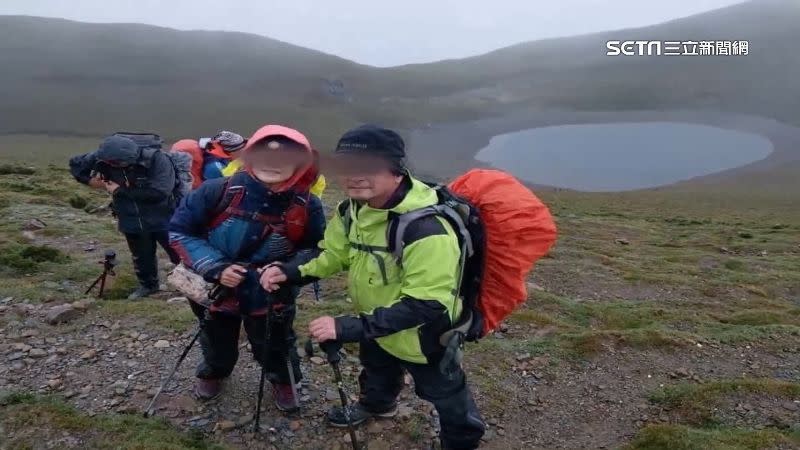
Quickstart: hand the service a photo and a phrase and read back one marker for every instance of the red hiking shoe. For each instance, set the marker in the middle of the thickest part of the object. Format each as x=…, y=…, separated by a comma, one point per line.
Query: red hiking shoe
x=284, y=397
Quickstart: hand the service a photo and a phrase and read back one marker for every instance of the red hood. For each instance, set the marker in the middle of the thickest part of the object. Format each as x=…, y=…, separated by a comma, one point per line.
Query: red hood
x=305, y=176
x=216, y=150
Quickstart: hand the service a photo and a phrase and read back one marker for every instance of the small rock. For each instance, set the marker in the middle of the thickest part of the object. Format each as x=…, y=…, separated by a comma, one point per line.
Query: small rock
x=317, y=360
x=622, y=241
x=61, y=314
x=244, y=420
x=331, y=395
x=523, y=357
x=82, y=305
x=29, y=235
x=115, y=402
x=29, y=333
x=16, y=356
x=493, y=422
x=295, y=425
x=503, y=328
x=535, y=287
x=178, y=300
x=89, y=354
x=54, y=384
x=348, y=440
x=225, y=425
x=70, y=394
x=22, y=347
x=161, y=344
x=501, y=432
x=790, y=406
x=34, y=224
x=37, y=353
x=682, y=372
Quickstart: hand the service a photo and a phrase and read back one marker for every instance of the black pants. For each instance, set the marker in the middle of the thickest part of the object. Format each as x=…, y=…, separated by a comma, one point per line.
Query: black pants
x=220, y=343
x=381, y=381
x=145, y=261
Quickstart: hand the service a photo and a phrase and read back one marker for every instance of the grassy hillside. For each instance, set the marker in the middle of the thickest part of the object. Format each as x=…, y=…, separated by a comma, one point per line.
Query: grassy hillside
x=665, y=319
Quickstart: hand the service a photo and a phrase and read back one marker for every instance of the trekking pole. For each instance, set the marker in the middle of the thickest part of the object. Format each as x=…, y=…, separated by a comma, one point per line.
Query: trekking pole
x=316, y=288
x=331, y=349
x=267, y=332
x=290, y=368
x=200, y=326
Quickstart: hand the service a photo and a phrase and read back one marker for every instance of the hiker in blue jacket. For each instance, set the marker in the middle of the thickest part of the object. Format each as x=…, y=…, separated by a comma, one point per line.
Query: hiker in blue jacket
x=228, y=229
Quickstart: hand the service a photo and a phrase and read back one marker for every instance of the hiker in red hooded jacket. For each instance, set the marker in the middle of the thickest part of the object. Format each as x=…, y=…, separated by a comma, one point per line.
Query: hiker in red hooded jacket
x=229, y=228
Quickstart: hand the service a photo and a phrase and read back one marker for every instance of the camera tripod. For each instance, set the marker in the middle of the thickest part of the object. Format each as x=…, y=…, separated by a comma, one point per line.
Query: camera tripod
x=108, y=262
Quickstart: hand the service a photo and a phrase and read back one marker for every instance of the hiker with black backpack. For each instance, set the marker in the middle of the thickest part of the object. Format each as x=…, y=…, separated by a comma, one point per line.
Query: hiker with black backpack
x=145, y=187
x=230, y=228
x=403, y=306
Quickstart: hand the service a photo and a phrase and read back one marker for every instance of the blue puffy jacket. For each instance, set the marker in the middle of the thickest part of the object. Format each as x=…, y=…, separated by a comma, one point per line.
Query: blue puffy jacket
x=209, y=249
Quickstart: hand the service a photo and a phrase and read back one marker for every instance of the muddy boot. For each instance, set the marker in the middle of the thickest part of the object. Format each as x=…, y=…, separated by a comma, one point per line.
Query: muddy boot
x=207, y=389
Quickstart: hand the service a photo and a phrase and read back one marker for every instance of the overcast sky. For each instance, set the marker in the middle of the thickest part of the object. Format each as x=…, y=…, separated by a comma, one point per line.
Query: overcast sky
x=381, y=33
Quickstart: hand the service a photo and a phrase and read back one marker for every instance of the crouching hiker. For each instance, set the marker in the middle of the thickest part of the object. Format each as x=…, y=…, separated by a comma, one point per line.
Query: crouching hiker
x=141, y=180
x=403, y=304
x=226, y=231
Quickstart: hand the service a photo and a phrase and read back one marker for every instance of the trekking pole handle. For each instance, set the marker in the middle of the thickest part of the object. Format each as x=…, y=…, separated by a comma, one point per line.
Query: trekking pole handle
x=331, y=349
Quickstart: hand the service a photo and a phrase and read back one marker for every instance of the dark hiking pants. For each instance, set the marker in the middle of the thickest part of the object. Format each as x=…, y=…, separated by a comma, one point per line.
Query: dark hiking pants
x=145, y=261
x=381, y=381
x=220, y=343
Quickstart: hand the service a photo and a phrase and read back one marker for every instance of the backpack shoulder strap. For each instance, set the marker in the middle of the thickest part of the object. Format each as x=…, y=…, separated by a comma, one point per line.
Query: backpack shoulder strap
x=296, y=217
x=230, y=196
x=346, y=215
x=397, y=231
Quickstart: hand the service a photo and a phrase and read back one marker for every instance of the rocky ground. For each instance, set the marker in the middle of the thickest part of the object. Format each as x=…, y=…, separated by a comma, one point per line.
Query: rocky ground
x=644, y=329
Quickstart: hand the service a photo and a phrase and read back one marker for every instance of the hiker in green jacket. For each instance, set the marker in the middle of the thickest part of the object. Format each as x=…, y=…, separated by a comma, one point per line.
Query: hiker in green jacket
x=402, y=307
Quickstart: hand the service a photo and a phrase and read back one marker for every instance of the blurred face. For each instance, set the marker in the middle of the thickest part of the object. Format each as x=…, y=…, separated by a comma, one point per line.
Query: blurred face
x=369, y=188
x=367, y=179
x=273, y=163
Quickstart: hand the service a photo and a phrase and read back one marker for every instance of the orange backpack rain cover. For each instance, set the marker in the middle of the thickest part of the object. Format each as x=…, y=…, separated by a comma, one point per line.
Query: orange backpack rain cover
x=191, y=147
x=519, y=230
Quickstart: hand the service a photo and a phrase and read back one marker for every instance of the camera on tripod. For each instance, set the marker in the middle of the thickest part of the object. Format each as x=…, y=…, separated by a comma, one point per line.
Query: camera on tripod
x=109, y=261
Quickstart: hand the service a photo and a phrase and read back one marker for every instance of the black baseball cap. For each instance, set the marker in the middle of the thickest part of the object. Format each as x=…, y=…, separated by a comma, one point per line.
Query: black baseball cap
x=373, y=142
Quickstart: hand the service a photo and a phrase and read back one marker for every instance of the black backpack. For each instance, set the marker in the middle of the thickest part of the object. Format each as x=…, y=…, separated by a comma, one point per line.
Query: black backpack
x=181, y=162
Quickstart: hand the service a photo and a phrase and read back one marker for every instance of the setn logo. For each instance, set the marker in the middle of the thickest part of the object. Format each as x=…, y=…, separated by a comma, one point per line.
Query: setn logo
x=631, y=48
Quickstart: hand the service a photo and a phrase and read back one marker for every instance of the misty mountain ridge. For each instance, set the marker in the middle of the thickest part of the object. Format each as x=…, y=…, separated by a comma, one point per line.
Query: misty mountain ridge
x=65, y=77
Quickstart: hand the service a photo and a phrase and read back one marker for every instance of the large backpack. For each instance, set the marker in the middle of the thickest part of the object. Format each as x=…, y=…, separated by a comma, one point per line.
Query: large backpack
x=194, y=153
x=181, y=165
x=502, y=228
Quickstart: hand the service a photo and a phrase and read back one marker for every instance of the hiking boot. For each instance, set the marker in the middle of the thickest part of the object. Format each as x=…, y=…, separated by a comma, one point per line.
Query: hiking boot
x=207, y=388
x=337, y=417
x=142, y=292
x=284, y=397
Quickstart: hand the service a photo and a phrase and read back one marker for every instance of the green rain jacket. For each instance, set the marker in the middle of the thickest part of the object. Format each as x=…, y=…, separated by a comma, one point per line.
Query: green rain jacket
x=403, y=307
